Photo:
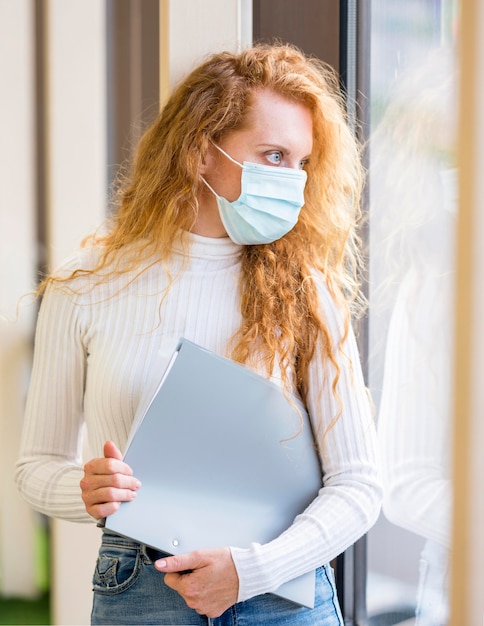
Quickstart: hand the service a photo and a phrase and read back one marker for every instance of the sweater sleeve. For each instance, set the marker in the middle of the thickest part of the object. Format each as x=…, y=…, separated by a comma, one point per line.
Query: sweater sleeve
x=349, y=501
x=414, y=422
x=49, y=467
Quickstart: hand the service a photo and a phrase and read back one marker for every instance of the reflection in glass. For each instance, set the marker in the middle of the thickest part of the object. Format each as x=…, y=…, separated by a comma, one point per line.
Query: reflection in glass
x=413, y=206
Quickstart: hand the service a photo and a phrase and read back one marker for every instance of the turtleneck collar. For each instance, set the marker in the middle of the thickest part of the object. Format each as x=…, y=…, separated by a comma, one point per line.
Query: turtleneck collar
x=217, y=252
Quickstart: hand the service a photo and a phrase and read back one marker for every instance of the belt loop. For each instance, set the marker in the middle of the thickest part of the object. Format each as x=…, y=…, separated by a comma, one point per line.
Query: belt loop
x=144, y=552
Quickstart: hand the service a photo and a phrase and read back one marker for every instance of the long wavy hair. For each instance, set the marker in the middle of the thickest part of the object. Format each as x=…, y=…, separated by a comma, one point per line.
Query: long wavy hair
x=281, y=312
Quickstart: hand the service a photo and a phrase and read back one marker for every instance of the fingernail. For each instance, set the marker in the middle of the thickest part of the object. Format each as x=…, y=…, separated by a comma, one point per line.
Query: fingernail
x=160, y=564
x=137, y=484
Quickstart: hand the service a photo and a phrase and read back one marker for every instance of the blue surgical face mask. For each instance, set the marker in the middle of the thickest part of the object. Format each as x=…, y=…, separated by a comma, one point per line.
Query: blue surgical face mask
x=268, y=206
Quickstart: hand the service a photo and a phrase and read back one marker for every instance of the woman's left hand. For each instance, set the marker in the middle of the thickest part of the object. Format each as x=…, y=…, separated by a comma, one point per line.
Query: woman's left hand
x=206, y=579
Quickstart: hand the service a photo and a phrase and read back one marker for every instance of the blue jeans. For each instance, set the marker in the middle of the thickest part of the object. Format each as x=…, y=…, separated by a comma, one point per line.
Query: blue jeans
x=129, y=590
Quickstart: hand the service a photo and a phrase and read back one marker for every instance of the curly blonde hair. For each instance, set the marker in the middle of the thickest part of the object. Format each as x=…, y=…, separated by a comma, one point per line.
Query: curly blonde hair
x=282, y=317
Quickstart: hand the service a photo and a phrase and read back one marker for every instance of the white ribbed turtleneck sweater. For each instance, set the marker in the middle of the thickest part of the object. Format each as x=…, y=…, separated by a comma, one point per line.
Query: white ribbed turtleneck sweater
x=95, y=354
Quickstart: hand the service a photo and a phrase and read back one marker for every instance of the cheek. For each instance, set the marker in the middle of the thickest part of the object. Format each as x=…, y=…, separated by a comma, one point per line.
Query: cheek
x=226, y=182
x=233, y=188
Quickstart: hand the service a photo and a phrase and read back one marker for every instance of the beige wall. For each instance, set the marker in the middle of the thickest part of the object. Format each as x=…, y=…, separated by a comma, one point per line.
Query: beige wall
x=17, y=257
x=468, y=545
x=208, y=26
x=76, y=204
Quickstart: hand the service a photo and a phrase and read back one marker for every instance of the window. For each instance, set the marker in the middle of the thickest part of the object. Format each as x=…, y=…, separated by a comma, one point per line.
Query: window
x=412, y=223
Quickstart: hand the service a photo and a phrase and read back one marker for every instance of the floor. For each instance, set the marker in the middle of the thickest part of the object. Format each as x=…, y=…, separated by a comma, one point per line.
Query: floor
x=25, y=612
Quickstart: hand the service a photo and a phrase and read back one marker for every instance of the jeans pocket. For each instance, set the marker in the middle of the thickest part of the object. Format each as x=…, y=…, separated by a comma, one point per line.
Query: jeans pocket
x=117, y=569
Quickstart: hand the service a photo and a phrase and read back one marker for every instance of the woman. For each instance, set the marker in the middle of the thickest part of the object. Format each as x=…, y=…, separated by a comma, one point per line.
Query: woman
x=267, y=279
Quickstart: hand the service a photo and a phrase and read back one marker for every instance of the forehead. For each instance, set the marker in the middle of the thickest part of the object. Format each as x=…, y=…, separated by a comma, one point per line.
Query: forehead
x=271, y=114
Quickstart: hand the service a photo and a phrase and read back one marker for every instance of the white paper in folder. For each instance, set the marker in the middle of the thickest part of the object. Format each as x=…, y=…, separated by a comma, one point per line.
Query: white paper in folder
x=223, y=461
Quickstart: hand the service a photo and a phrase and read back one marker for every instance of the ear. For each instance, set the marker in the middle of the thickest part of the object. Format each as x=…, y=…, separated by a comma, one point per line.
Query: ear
x=203, y=167
x=209, y=160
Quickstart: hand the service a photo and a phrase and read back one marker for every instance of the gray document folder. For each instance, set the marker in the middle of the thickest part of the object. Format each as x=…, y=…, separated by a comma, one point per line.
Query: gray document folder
x=224, y=460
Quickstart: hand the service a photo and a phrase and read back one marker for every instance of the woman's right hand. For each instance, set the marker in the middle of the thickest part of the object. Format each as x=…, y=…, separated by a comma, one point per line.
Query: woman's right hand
x=107, y=482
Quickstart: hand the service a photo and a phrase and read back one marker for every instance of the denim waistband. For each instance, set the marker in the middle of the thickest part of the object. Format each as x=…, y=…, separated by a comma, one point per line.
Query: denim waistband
x=113, y=539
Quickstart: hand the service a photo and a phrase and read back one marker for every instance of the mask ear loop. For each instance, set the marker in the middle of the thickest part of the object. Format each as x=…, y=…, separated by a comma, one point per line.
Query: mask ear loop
x=211, y=188
x=227, y=155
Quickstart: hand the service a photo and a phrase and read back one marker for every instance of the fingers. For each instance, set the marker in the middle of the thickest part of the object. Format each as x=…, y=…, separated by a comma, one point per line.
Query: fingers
x=103, y=495
x=180, y=563
x=106, y=502
x=107, y=482
x=112, y=451
x=107, y=466
x=207, y=579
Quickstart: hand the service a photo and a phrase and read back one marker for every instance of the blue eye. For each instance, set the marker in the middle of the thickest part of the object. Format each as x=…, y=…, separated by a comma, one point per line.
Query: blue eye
x=303, y=163
x=275, y=157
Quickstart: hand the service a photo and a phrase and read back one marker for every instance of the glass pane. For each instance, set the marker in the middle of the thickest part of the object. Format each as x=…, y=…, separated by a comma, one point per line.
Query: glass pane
x=413, y=206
